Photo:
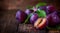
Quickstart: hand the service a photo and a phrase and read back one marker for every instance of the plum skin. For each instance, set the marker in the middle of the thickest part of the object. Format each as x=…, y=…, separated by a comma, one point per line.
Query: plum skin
x=53, y=19
x=21, y=16
x=33, y=18
x=28, y=11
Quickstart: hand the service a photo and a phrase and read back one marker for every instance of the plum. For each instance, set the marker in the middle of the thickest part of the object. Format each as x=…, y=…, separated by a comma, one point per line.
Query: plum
x=58, y=13
x=28, y=11
x=33, y=18
x=21, y=16
x=53, y=19
x=40, y=23
x=50, y=9
x=42, y=8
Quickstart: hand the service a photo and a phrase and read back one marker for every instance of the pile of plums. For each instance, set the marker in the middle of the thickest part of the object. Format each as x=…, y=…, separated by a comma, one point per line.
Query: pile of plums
x=52, y=15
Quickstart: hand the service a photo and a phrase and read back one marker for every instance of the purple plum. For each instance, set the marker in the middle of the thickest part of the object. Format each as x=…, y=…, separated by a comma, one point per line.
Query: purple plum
x=53, y=19
x=28, y=11
x=33, y=18
x=21, y=16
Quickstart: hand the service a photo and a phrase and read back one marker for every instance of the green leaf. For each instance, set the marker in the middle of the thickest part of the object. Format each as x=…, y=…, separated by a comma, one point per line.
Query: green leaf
x=41, y=13
x=41, y=4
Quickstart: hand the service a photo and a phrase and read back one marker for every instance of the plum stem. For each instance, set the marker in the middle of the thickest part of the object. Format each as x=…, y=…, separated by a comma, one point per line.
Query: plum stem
x=27, y=18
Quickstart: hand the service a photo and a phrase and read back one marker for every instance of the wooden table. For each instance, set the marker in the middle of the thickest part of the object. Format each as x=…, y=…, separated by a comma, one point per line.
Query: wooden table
x=28, y=28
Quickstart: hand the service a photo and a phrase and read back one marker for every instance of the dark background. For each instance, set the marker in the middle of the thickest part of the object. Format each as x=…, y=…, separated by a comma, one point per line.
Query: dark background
x=8, y=8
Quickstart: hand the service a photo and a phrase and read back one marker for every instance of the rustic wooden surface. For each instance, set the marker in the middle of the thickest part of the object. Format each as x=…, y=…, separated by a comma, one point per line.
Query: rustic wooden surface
x=7, y=21
x=21, y=4
x=29, y=28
